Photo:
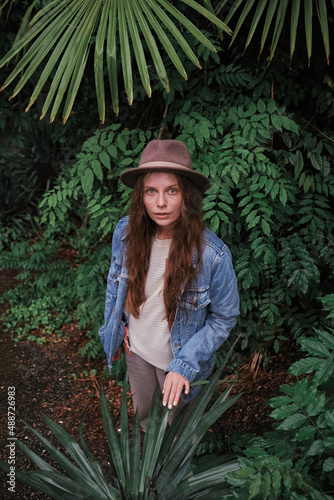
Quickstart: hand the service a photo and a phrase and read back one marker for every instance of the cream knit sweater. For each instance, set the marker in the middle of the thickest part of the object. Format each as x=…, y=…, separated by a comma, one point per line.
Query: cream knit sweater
x=149, y=334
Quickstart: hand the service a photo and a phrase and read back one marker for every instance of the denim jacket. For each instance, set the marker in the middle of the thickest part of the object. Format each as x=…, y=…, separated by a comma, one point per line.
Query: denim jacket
x=203, y=319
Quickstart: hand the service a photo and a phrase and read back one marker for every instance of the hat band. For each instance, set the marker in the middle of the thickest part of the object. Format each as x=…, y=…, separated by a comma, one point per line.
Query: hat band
x=163, y=164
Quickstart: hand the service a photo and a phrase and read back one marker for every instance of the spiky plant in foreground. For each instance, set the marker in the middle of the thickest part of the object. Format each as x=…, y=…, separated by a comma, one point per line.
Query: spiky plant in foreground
x=162, y=470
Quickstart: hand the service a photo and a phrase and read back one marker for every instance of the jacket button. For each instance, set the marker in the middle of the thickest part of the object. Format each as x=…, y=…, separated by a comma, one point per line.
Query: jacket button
x=177, y=345
x=195, y=303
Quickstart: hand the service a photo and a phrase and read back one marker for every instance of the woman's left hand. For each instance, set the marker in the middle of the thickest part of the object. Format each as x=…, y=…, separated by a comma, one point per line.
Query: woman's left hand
x=173, y=387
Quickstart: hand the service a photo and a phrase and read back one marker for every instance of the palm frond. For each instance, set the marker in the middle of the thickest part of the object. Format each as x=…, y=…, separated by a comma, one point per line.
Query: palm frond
x=295, y=9
x=279, y=10
x=323, y=20
x=281, y=13
x=61, y=33
x=111, y=54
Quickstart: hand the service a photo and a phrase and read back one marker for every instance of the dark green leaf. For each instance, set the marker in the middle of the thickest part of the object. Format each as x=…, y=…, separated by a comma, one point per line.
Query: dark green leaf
x=328, y=464
x=314, y=347
x=105, y=160
x=292, y=422
x=87, y=181
x=277, y=122
x=317, y=447
x=305, y=433
x=316, y=406
x=255, y=486
x=306, y=365
x=284, y=411
x=276, y=482
x=329, y=415
x=97, y=169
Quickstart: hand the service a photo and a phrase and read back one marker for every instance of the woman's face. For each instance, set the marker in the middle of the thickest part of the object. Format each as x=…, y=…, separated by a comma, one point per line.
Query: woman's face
x=163, y=200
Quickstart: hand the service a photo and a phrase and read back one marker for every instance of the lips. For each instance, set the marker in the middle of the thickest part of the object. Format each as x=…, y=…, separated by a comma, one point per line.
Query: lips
x=162, y=216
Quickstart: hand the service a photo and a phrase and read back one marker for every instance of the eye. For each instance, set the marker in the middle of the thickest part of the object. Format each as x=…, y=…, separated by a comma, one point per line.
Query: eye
x=149, y=191
x=173, y=190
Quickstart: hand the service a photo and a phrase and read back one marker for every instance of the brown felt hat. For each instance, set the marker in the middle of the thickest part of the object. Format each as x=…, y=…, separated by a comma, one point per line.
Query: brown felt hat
x=165, y=156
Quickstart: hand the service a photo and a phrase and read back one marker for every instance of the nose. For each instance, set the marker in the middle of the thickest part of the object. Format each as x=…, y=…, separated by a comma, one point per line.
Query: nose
x=161, y=201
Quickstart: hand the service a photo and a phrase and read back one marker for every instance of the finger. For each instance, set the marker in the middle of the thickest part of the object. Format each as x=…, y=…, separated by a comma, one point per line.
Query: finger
x=170, y=389
x=165, y=391
x=181, y=383
x=175, y=396
x=177, y=383
x=173, y=386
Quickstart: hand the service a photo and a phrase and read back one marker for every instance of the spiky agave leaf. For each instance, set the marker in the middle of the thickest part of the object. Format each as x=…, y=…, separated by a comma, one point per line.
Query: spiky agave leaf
x=191, y=434
x=206, y=480
x=56, y=491
x=93, y=460
x=163, y=470
x=154, y=436
x=113, y=439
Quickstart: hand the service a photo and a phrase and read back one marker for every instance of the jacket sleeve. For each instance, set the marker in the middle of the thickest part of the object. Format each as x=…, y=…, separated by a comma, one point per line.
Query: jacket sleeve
x=222, y=313
x=111, y=291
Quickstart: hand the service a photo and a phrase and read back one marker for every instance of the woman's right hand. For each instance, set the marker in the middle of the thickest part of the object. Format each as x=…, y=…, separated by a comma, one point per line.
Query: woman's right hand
x=173, y=386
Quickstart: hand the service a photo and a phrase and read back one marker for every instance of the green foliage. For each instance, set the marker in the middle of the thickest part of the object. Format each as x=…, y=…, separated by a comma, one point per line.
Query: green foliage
x=296, y=460
x=31, y=151
x=324, y=95
x=264, y=475
x=41, y=302
x=270, y=199
x=55, y=288
x=266, y=143
x=19, y=189
x=164, y=468
x=319, y=359
x=93, y=179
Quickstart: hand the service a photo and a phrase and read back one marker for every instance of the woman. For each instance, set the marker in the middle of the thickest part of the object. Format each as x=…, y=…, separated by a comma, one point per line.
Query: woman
x=171, y=284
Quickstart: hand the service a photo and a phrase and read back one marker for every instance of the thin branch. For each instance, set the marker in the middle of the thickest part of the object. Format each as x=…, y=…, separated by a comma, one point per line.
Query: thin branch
x=309, y=123
x=162, y=128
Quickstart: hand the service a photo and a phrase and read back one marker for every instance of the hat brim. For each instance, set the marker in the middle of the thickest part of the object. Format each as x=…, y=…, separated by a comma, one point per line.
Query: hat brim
x=129, y=177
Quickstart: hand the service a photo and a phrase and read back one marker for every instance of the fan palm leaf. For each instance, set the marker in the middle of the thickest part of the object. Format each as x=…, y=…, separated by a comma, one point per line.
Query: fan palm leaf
x=61, y=33
x=279, y=9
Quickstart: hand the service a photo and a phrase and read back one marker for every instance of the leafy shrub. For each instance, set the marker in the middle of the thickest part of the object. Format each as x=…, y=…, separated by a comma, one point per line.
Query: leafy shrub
x=271, y=193
x=19, y=195
x=93, y=180
x=296, y=460
x=270, y=199
x=51, y=285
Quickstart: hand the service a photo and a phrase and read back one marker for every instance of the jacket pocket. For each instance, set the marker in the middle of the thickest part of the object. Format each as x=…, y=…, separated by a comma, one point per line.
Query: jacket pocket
x=194, y=306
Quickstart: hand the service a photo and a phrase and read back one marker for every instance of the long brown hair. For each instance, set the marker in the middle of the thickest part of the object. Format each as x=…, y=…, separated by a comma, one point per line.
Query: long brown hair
x=187, y=235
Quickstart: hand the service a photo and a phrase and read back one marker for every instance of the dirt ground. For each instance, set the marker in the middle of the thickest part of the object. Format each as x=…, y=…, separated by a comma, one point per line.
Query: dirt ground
x=50, y=378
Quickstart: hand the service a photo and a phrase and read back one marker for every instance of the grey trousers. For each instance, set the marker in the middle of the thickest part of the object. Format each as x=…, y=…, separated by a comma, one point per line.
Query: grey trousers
x=144, y=378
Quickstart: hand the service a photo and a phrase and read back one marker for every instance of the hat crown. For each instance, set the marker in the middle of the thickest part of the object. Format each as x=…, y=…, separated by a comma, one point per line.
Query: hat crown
x=168, y=155
x=168, y=150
